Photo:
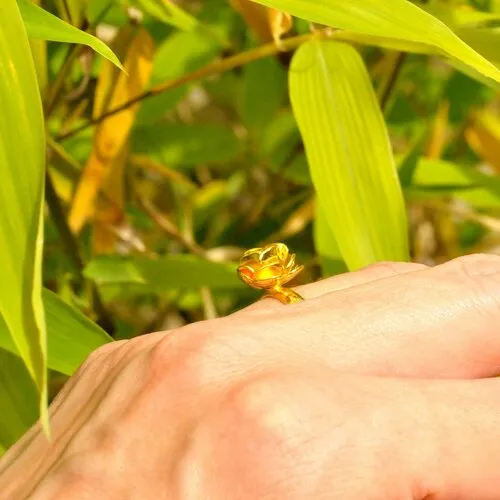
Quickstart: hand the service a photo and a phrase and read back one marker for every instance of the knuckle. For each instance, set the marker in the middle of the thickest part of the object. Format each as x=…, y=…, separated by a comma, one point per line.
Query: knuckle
x=249, y=442
x=184, y=357
x=265, y=412
x=475, y=265
x=102, y=353
x=77, y=478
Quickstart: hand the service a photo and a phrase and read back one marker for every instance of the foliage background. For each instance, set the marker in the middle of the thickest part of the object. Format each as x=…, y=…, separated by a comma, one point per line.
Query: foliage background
x=237, y=125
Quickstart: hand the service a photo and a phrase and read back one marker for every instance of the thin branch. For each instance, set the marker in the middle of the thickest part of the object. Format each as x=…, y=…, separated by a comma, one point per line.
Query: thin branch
x=164, y=223
x=390, y=83
x=54, y=95
x=212, y=69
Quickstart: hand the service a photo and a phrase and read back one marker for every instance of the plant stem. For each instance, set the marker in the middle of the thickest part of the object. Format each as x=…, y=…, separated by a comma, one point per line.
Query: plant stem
x=390, y=82
x=212, y=69
x=54, y=95
x=170, y=228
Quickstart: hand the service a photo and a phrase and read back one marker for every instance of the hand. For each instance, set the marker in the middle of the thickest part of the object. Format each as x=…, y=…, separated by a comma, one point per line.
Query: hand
x=375, y=387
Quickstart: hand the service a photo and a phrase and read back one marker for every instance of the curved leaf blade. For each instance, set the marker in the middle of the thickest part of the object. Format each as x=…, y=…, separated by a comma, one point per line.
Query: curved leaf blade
x=71, y=336
x=349, y=153
x=18, y=400
x=385, y=20
x=22, y=166
x=42, y=25
x=165, y=273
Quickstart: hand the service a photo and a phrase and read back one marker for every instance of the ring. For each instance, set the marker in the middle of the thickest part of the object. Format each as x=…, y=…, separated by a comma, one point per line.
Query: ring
x=269, y=268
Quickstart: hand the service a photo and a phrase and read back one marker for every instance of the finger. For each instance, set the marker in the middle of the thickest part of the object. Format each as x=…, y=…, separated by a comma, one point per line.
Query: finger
x=436, y=322
x=368, y=274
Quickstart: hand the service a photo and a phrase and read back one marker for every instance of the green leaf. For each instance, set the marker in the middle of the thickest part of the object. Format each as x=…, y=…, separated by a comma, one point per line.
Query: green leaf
x=164, y=273
x=383, y=20
x=18, y=400
x=42, y=25
x=437, y=178
x=180, y=144
x=71, y=10
x=181, y=53
x=280, y=139
x=326, y=245
x=264, y=93
x=166, y=12
x=349, y=153
x=22, y=166
x=71, y=337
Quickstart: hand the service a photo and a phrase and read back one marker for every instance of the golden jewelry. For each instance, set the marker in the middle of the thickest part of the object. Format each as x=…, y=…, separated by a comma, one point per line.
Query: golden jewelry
x=269, y=268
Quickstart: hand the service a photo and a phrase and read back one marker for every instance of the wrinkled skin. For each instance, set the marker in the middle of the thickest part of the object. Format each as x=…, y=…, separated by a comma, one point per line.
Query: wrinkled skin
x=379, y=386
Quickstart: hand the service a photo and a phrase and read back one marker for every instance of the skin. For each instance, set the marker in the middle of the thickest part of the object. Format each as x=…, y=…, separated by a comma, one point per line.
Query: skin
x=379, y=386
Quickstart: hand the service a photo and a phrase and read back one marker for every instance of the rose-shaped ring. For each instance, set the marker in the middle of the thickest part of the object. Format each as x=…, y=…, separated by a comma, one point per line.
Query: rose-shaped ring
x=269, y=268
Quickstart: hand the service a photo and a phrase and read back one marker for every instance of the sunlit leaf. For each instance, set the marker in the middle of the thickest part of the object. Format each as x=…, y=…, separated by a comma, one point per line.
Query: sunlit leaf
x=42, y=25
x=71, y=337
x=389, y=20
x=18, y=400
x=326, y=245
x=22, y=166
x=114, y=89
x=39, y=51
x=349, y=154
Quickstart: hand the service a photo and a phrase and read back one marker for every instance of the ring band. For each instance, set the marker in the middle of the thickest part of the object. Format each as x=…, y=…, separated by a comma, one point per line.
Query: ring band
x=269, y=268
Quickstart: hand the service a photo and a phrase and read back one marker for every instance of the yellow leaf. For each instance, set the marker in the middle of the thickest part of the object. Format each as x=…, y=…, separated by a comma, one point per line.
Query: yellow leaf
x=483, y=136
x=279, y=24
x=110, y=207
x=439, y=136
x=268, y=24
x=114, y=88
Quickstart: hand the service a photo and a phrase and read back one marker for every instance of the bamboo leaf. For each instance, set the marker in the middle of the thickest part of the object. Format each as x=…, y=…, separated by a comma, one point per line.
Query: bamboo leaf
x=349, y=154
x=167, y=12
x=483, y=136
x=382, y=20
x=114, y=89
x=71, y=336
x=71, y=10
x=42, y=25
x=18, y=400
x=326, y=245
x=181, y=144
x=264, y=93
x=267, y=24
x=168, y=272
x=22, y=164
x=438, y=178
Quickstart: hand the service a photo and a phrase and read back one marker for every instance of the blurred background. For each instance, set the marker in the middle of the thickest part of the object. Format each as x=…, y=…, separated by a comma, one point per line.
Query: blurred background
x=150, y=210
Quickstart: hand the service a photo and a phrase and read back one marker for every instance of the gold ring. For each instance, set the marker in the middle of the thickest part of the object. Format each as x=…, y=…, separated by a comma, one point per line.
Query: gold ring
x=269, y=268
